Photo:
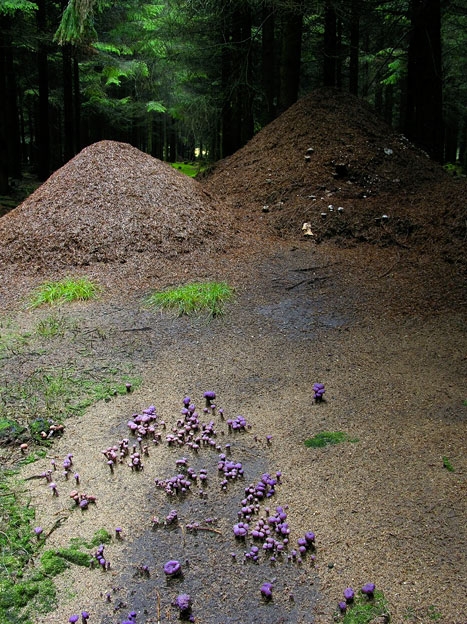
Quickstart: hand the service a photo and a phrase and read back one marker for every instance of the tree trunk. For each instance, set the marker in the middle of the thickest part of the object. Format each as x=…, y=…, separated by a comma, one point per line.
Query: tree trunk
x=76, y=102
x=4, y=47
x=237, y=112
x=42, y=155
x=291, y=53
x=268, y=62
x=329, y=46
x=424, y=114
x=354, y=46
x=68, y=138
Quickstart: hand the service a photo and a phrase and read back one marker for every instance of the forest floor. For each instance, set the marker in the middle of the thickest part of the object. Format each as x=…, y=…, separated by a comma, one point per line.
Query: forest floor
x=372, y=307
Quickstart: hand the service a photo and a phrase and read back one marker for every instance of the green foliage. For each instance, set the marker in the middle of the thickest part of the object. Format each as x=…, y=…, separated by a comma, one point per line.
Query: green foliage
x=324, y=438
x=447, y=464
x=364, y=610
x=11, y=7
x=193, y=298
x=66, y=290
x=155, y=107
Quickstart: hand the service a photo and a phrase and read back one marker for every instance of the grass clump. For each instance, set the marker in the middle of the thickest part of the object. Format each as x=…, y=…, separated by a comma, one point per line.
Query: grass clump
x=325, y=438
x=193, y=298
x=53, y=326
x=447, y=464
x=64, y=291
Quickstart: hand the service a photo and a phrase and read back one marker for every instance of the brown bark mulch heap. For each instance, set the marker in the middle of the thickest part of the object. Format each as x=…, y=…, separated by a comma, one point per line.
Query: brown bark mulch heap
x=330, y=162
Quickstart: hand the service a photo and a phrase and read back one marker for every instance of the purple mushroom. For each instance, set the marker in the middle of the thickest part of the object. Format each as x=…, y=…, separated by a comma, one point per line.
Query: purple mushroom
x=172, y=568
x=368, y=589
x=349, y=594
x=266, y=590
x=183, y=602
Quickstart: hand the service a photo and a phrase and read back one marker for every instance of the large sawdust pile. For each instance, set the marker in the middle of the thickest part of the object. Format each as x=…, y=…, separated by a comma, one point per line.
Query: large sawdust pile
x=109, y=203
x=331, y=162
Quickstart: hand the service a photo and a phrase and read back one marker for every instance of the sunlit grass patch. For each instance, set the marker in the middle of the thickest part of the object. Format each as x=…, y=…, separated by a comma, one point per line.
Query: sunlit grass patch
x=193, y=298
x=64, y=291
x=325, y=438
x=189, y=169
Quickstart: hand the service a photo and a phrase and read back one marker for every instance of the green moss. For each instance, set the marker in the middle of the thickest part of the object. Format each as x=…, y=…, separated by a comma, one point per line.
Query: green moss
x=327, y=437
x=53, y=564
x=364, y=610
x=101, y=537
x=10, y=429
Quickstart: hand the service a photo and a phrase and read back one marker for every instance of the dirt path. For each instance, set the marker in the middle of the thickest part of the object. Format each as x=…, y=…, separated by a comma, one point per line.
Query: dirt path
x=387, y=337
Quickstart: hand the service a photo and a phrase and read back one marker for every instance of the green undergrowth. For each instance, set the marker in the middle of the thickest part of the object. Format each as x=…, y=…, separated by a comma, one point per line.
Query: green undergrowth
x=325, y=438
x=195, y=298
x=27, y=569
x=12, y=340
x=189, y=168
x=365, y=611
x=49, y=395
x=64, y=291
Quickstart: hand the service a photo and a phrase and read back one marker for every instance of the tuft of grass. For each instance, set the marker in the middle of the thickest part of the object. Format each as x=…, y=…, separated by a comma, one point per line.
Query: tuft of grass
x=64, y=291
x=364, y=610
x=53, y=326
x=447, y=464
x=193, y=298
x=324, y=438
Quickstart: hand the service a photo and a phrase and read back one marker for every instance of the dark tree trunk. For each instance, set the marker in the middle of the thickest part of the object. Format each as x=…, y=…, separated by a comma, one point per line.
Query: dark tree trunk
x=291, y=52
x=388, y=103
x=10, y=137
x=329, y=46
x=76, y=103
x=268, y=62
x=354, y=46
x=42, y=155
x=237, y=111
x=451, y=136
x=68, y=126
x=4, y=50
x=424, y=114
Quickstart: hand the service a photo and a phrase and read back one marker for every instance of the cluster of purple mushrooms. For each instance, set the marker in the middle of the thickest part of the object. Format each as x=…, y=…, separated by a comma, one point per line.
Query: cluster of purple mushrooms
x=268, y=528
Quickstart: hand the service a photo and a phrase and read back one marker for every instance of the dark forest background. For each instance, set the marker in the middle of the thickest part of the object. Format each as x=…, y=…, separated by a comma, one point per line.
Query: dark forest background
x=186, y=79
